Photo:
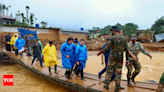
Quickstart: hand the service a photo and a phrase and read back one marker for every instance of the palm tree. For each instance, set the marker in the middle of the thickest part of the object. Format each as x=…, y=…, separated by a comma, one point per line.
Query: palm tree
x=31, y=18
x=27, y=8
x=35, y=20
x=4, y=7
x=22, y=14
x=7, y=8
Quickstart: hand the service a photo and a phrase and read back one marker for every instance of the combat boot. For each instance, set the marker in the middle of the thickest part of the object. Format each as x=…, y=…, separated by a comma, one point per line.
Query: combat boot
x=116, y=90
x=106, y=87
x=128, y=79
x=133, y=78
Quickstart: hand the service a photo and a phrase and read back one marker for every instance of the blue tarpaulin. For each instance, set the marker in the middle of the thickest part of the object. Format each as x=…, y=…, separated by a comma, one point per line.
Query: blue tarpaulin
x=24, y=32
x=159, y=37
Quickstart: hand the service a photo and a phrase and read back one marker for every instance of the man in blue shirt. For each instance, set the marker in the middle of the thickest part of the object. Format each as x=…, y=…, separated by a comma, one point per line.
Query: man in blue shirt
x=107, y=56
x=81, y=56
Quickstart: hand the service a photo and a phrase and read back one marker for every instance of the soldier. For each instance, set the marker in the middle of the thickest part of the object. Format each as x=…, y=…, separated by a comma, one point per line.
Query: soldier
x=119, y=45
x=161, y=84
x=134, y=47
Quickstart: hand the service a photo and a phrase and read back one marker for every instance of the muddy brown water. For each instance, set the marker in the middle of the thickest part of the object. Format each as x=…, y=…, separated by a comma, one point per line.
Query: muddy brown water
x=29, y=82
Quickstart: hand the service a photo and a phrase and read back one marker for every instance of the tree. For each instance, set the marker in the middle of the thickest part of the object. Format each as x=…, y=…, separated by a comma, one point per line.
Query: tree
x=94, y=27
x=7, y=8
x=106, y=29
x=43, y=24
x=146, y=33
x=130, y=29
x=23, y=20
x=18, y=23
x=119, y=26
x=4, y=7
x=158, y=26
x=35, y=20
x=11, y=15
x=27, y=9
x=31, y=18
x=98, y=28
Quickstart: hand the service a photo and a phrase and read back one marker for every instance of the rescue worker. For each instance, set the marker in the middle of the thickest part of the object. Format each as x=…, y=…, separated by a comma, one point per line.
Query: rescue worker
x=12, y=41
x=161, y=84
x=119, y=45
x=134, y=47
x=37, y=52
x=28, y=45
x=67, y=50
x=50, y=56
x=20, y=44
x=8, y=44
x=81, y=56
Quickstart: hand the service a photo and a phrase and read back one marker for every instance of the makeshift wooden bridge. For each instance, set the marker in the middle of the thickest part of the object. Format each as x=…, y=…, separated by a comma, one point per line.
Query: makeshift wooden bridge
x=92, y=83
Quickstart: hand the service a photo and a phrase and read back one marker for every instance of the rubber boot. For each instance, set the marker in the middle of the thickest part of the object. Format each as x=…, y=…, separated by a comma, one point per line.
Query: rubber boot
x=66, y=74
x=69, y=73
x=49, y=70
x=133, y=78
x=82, y=75
x=56, y=69
x=77, y=73
x=128, y=79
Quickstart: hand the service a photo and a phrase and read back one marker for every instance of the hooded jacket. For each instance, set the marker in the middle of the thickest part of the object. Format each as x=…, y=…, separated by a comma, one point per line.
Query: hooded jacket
x=19, y=43
x=81, y=52
x=13, y=40
x=68, y=49
x=50, y=55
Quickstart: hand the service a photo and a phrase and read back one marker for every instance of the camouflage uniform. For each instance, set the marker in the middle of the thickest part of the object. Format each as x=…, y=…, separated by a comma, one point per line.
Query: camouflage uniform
x=134, y=49
x=119, y=45
x=161, y=84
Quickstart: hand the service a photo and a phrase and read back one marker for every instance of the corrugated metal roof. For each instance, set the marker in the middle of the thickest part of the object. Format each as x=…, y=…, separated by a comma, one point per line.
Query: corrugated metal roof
x=159, y=37
x=7, y=17
x=70, y=30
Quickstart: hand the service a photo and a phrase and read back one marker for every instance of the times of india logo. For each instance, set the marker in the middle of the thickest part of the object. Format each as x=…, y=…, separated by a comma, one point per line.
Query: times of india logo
x=7, y=80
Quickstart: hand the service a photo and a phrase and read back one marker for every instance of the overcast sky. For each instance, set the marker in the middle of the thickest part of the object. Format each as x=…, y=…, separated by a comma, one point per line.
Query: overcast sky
x=76, y=14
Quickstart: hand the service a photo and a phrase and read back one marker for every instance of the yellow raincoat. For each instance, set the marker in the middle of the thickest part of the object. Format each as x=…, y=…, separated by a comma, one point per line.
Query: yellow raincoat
x=12, y=41
x=50, y=55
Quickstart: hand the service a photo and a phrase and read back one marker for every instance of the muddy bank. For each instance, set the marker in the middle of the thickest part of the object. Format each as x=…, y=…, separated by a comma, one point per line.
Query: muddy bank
x=97, y=45
x=154, y=46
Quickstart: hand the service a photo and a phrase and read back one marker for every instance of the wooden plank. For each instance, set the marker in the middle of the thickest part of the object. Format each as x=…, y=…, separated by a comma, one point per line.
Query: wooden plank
x=92, y=81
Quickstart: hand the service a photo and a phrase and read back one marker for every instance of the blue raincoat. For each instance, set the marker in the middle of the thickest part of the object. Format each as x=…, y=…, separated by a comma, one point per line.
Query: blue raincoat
x=81, y=55
x=68, y=49
x=19, y=43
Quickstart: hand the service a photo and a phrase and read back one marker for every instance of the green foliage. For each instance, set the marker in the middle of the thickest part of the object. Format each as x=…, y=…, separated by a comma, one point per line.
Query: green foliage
x=158, y=26
x=43, y=24
x=130, y=29
x=94, y=27
x=31, y=19
x=18, y=23
x=23, y=20
x=146, y=33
